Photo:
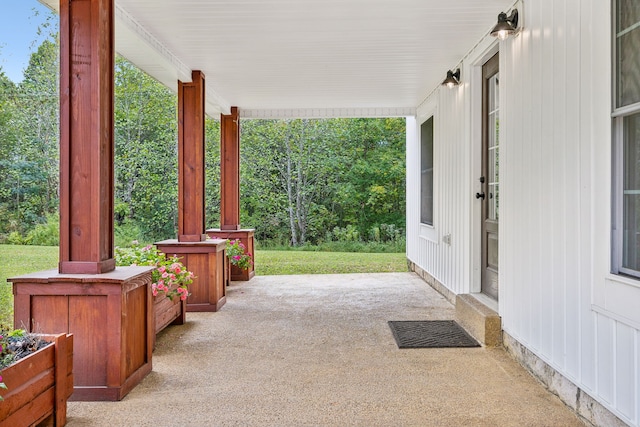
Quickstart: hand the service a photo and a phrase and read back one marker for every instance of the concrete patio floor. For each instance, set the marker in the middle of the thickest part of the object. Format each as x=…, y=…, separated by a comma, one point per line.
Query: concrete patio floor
x=316, y=350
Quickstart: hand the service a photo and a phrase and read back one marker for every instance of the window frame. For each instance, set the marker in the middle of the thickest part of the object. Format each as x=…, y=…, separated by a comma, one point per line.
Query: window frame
x=433, y=133
x=618, y=116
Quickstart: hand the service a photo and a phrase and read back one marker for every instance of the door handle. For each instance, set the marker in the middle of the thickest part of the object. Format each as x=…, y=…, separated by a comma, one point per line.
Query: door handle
x=480, y=195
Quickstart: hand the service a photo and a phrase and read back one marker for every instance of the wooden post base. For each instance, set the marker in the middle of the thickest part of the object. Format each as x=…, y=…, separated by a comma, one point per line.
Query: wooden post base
x=246, y=236
x=206, y=261
x=110, y=317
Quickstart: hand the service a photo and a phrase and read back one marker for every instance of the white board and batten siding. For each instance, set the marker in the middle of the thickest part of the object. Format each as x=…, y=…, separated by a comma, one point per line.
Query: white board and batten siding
x=427, y=247
x=557, y=295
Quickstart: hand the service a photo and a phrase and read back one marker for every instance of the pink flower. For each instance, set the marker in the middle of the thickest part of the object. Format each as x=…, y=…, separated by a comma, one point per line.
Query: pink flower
x=165, y=275
x=237, y=257
x=162, y=269
x=183, y=297
x=154, y=292
x=176, y=267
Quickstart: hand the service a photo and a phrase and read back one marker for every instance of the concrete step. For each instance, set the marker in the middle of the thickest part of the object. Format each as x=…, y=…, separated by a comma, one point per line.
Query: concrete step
x=478, y=315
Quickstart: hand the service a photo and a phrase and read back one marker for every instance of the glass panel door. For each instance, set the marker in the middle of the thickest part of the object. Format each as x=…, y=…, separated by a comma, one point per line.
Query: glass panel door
x=490, y=196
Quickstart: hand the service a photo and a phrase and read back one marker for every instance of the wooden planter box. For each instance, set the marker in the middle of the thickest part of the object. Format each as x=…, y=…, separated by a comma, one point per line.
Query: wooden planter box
x=206, y=260
x=39, y=385
x=240, y=275
x=110, y=316
x=168, y=312
x=246, y=236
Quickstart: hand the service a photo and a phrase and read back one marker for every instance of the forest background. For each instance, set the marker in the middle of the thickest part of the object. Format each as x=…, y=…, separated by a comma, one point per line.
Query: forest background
x=334, y=184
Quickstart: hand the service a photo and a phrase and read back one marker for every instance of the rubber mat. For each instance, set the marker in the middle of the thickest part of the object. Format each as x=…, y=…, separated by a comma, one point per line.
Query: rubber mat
x=430, y=334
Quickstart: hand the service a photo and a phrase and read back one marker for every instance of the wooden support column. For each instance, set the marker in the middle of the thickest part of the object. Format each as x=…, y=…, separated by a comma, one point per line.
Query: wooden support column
x=191, y=159
x=108, y=310
x=86, y=136
x=230, y=193
x=205, y=258
x=230, y=171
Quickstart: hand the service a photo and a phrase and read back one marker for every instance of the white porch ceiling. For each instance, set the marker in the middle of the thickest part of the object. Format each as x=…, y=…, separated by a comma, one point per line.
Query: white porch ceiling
x=316, y=58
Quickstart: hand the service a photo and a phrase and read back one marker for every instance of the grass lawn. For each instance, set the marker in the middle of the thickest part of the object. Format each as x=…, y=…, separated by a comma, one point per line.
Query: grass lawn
x=298, y=262
x=18, y=260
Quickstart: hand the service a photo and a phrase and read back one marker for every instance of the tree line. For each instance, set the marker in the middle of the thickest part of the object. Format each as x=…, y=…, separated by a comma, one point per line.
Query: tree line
x=303, y=181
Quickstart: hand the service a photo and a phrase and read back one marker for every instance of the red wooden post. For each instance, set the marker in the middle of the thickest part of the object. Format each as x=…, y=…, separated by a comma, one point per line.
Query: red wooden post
x=230, y=191
x=205, y=258
x=86, y=136
x=191, y=159
x=230, y=171
x=107, y=309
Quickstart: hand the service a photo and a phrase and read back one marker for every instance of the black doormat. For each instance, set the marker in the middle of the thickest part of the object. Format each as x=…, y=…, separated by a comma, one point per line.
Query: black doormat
x=430, y=334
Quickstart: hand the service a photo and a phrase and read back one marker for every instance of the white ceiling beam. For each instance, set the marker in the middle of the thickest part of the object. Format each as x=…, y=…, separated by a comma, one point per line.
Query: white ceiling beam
x=326, y=113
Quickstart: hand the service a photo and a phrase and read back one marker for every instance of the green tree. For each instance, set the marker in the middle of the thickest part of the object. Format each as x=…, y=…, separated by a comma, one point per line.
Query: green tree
x=289, y=161
x=8, y=140
x=302, y=178
x=212, y=172
x=38, y=102
x=29, y=162
x=371, y=190
x=146, y=165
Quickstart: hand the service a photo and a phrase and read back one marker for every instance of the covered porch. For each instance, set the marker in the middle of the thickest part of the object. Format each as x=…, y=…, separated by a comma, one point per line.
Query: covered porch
x=279, y=352
x=317, y=350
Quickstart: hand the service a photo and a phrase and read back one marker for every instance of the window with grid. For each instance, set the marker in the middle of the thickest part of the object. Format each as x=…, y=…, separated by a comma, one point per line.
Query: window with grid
x=626, y=136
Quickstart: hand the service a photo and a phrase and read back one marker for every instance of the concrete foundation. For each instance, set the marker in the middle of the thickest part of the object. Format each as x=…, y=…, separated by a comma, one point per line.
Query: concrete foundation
x=574, y=397
x=480, y=321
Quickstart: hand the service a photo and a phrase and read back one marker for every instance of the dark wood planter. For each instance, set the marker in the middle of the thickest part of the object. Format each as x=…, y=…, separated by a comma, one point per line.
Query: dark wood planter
x=110, y=316
x=39, y=385
x=240, y=275
x=206, y=260
x=167, y=311
x=246, y=236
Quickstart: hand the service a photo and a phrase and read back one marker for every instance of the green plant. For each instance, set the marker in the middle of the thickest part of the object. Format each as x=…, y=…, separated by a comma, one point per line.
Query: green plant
x=170, y=276
x=236, y=252
x=15, y=345
x=15, y=238
x=125, y=232
x=47, y=234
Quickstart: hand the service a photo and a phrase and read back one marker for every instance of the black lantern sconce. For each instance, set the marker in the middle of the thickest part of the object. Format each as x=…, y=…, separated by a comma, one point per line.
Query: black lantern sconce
x=506, y=26
x=453, y=79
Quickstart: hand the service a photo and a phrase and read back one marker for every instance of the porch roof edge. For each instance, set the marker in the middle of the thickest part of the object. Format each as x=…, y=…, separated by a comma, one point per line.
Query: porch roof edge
x=327, y=113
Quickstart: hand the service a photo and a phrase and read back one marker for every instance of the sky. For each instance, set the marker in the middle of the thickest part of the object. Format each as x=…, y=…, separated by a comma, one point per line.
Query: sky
x=18, y=31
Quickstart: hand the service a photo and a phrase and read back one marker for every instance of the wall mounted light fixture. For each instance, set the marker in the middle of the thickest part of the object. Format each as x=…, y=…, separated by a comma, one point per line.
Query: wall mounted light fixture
x=506, y=26
x=453, y=78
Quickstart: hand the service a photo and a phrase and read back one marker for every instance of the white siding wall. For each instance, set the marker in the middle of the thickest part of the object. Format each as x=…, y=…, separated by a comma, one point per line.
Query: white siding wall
x=451, y=198
x=556, y=294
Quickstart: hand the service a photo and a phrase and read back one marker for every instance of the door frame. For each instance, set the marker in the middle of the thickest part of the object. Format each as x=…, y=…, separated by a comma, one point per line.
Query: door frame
x=483, y=53
x=490, y=69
